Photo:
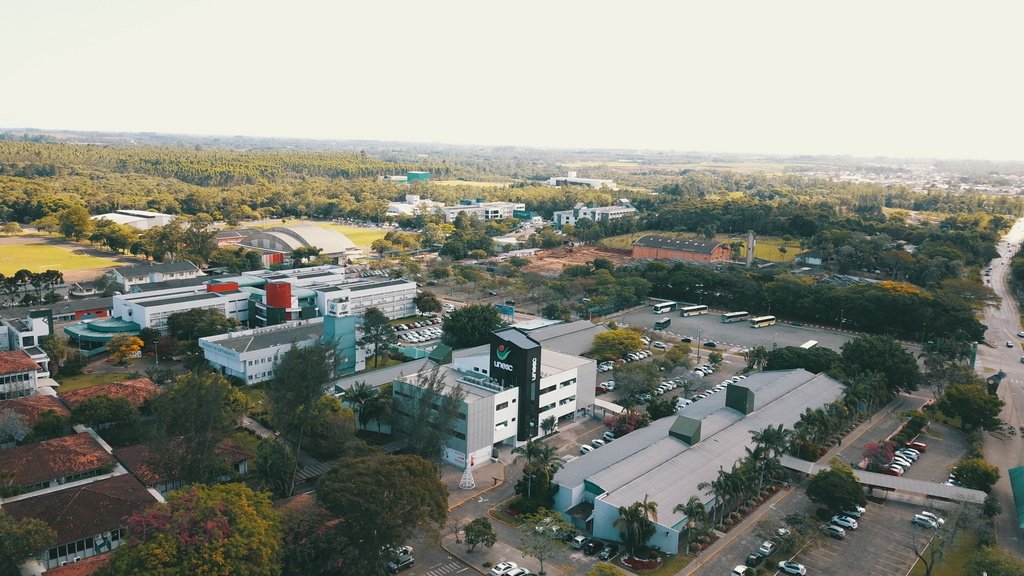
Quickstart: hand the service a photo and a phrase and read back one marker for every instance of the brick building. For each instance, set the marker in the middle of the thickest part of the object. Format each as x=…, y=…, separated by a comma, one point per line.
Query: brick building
x=668, y=248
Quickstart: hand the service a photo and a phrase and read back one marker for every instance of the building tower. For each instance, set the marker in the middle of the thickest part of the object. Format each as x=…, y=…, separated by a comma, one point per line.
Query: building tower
x=751, y=245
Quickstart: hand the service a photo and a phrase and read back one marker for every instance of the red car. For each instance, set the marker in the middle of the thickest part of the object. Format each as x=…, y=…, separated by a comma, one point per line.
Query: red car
x=891, y=471
x=919, y=446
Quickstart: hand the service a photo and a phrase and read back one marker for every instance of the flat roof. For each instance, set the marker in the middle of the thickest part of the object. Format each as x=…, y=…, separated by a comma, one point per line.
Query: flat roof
x=382, y=376
x=274, y=336
x=650, y=462
x=168, y=284
x=569, y=338
x=179, y=299
x=372, y=285
x=517, y=337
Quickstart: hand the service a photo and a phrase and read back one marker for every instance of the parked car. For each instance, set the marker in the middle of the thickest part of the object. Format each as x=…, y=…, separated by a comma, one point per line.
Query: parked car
x=781, y=534
x=400, y=563
x=834, y=531
x=518, y=572
x=924, y=522
x=659, y=345
x=578, y=542
x=934, y=517
x=891, y=471
x=909, y=454
x=754, y=560
x=610, y=385
x=853, y=511
x=609, y=551
x=585, y=449
x=919, y=446
x=767, y=548
x=503, y=568
x=687, y=340
x=710, y=344
x=845, y=522
x=597, y=442
x=1009, y=344
x=740, y=571
x=592, y=547
x=790, y=567
x=608, y=436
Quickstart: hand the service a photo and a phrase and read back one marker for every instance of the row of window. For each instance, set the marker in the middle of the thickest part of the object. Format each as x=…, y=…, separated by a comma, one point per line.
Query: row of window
x=64, y=480
x=79, y=547
x=15, y=378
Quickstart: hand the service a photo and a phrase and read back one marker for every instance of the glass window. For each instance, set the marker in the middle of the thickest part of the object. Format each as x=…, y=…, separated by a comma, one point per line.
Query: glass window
x=501, y=406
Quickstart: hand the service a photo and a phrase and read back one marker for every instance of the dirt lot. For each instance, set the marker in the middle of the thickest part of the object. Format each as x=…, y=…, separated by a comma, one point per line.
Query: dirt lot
x=552, y=261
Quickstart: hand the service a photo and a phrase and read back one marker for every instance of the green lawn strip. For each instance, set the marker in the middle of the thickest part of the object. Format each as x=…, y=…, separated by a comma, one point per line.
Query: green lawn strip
x=499, y=514
x=954, y=559
x=43, y=257
x=69, y=383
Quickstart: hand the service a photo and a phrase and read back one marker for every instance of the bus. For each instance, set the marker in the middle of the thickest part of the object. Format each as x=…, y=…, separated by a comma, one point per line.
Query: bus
x=809, y=344
x=734, y=317
x=663, y=323
x=762, y=321
x=694, y=310
x=662, y=307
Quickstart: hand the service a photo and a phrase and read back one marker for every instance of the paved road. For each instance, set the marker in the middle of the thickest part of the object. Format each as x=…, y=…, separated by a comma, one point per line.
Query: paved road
x=1003, y=324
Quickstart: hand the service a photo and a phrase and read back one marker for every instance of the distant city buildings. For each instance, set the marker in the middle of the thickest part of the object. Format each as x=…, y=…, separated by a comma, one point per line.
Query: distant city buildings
x=598, y=214
x=572, y=180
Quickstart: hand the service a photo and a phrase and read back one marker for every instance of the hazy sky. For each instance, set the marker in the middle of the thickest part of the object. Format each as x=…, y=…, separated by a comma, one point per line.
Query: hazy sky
x=891, y=78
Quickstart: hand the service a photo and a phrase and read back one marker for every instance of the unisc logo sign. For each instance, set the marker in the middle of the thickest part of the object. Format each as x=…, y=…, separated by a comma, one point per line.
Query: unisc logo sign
x=503, y=352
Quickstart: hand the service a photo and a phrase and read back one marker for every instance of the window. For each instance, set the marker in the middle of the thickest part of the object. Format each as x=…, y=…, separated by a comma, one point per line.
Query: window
x=501, y=425
x=501, y=406
x=544, y=391
x=567, y=383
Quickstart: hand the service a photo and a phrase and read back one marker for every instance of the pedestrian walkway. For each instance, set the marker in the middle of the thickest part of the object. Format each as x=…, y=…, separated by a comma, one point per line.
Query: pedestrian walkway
x=444, y=569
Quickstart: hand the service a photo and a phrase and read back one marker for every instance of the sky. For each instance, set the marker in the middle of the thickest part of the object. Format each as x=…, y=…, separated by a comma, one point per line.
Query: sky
x=907, y=78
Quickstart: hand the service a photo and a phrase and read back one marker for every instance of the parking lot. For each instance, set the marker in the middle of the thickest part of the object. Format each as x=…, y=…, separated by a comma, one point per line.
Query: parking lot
x=736, y=335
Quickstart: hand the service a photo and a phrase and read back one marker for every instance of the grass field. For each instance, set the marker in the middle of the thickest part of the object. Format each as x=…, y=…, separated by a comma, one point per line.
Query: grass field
x=767, y=247
x=43, y=257
x=69, y=383
x=954, y=559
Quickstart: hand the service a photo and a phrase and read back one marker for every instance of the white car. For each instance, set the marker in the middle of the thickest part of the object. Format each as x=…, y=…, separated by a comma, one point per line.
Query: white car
x=609, y=385
x=934, y=517
x=924, y=522
x=792, y=568
x=659, y=345
x=683, y=402
x=503, y=568
x=845, y=522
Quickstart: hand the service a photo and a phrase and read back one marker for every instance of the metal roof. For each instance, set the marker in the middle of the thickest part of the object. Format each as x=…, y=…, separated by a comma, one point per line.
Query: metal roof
x=649, y=462
x=179, y=299
x=162, y=268
x=683, y=244
x=273, y=336
x=1017, y=487
x=570, y=338
x=884, y=481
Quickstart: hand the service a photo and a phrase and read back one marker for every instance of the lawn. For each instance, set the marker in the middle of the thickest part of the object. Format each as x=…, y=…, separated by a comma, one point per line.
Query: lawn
x=359, y=236
x=69, y=383
x=954, y=558
x=43, y=257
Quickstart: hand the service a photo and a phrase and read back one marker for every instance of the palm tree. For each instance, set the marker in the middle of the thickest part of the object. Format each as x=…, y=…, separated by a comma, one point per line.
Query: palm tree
x=358, y=395
x=541, y=459
x=636, y=523
x=696, y=514
x=380, y=408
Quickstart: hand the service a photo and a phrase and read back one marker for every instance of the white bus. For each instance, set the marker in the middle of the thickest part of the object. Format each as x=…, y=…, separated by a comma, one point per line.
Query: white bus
x=734, y=317
x=662, y=307
x=694, y=310
x=762, y=321
x=809, y=344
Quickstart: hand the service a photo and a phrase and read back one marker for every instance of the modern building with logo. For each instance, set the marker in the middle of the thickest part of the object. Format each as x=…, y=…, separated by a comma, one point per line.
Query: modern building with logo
x=478, y=208
x=511, y=385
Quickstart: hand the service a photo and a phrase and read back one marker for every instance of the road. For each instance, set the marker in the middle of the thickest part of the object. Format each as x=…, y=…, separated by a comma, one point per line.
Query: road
x=1003, y=324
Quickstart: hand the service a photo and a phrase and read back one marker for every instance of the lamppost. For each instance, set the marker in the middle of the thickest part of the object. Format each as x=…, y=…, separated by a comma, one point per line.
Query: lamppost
x=698, y=345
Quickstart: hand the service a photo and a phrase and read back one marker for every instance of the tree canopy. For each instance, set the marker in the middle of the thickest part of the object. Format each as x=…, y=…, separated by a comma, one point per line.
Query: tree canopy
x=470, y=326
x=973, y=405
x=836, y=488
x=615, y=344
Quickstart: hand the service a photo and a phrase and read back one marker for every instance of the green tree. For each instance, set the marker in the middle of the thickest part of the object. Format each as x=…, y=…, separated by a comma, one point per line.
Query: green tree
x=309, y=545
x=479, y=532
x=659, y=408
x=882, y=354
x=273, y=467
x=615, y=344
x=74, y=222
x=818, y=359
x=150, y=340
x=696, y=518
x=383, y=500
x=836, y=487
x=22, y=539
x=300, y=380
x=539, y=535
x=636, y=523
x=12, y=426
x=220, y=530
x=541, y=465
x=977, y=474
x=470, y=326
x=635, y=378
x=97, y=411
x=10, y=229
x=378, y=335
x=191, y=417
x=715, y=358
x=122, y=347
x=191, y=325
x=427, y=301
x=995, y=561
x=56, y=348
x=556, y=311
x=426, y=418
x=50, y=424
x=973, y=405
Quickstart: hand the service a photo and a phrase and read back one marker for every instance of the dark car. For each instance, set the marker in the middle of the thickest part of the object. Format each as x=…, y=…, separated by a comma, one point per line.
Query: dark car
x=609, y=551
x=401, y=563
x=492, y=293
x=687, y=340
x=592, y=547
x=710, y=345
x=510, y=302
x=754, y=560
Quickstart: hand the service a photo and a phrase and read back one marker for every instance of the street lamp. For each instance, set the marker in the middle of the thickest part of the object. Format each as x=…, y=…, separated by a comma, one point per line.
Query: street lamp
x=698, y=345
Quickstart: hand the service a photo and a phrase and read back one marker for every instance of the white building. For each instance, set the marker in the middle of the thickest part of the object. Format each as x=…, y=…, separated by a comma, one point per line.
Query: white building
x=511, y=387
x=18, y=374
x=277, y=244
x=127, y=276
x=572, y=180
x=141, y=219
x=26, y=335
x=597, y=214
x=392, y=297
x=667, y=460
x=413, y=205
x=482, y=210
x=253, y=355
x=151, y=310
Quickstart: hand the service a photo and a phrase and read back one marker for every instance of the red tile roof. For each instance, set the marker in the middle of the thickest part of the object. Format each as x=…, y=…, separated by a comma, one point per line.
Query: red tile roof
x=136, y=391
x=139, y=460
x=31, y=407
x=86, y=510
x=15, y=361
x=52, y=459
x=86, y=567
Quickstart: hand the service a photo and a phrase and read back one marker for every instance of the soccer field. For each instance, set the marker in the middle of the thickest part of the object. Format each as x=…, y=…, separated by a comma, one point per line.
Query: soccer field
x=359, y=236
x=43, y=257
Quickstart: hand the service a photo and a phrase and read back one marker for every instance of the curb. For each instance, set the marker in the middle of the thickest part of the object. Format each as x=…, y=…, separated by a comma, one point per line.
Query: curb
x=444, y=546
x=482, y=492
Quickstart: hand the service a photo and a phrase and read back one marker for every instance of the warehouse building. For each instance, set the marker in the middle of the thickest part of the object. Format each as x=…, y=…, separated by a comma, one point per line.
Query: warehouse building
x=656, y=247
